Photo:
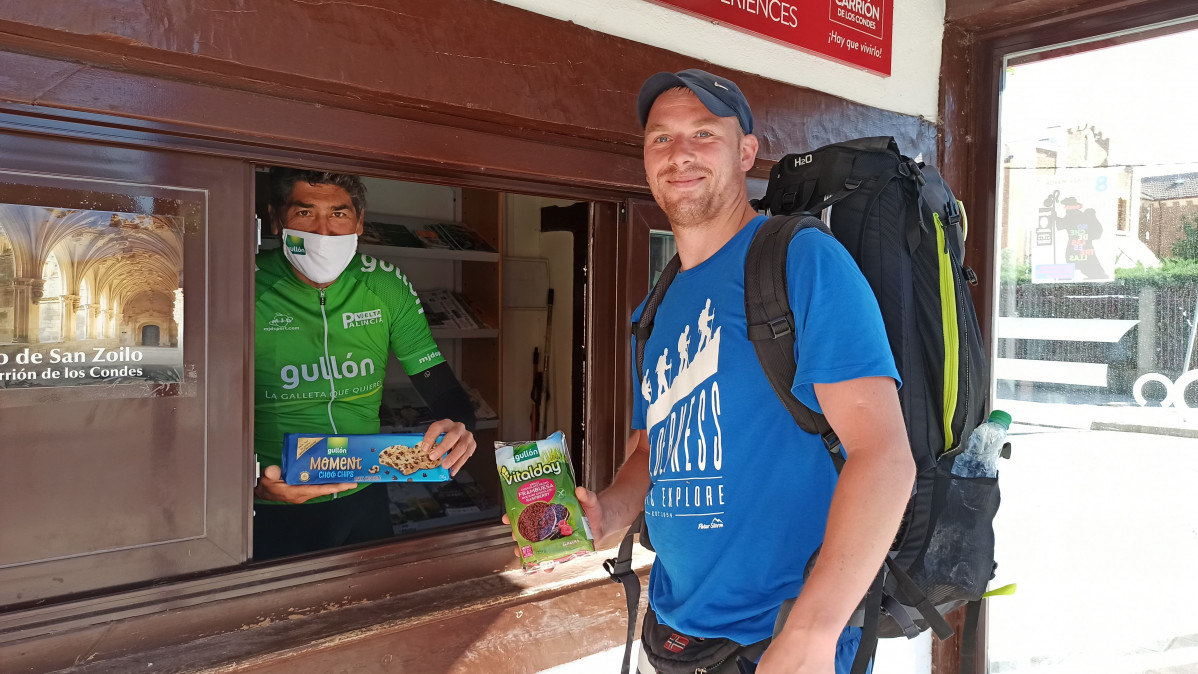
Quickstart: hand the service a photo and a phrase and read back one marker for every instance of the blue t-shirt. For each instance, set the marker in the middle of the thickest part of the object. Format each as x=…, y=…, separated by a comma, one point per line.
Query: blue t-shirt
x=740, y=494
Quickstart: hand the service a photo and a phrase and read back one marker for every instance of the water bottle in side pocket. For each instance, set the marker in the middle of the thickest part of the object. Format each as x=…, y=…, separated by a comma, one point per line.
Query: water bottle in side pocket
x=982, y=449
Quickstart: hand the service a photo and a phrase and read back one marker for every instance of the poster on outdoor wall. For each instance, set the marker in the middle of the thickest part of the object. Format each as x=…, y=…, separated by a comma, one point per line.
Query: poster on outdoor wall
x=1076, y=220
x=89, y=296
x=854, y=32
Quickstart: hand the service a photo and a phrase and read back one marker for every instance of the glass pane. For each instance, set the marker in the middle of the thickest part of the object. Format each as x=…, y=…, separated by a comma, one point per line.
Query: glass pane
x=483, y=284
x=55, y=244
x=1096, y=360
x=93, y=381
x=661, y=249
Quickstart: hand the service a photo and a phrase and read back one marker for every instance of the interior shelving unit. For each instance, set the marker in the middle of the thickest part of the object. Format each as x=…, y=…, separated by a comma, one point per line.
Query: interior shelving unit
x=473, y=353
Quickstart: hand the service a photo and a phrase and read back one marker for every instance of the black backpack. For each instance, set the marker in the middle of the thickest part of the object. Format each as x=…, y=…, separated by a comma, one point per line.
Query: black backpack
x=902, y=225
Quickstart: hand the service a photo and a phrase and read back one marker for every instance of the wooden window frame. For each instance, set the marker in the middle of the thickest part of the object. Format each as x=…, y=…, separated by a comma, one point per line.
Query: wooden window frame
x=202, y=526
x=978, y=35
x=174, y=611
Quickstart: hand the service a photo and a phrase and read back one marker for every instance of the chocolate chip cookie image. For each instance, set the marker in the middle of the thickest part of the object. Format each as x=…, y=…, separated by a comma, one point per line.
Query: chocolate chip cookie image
x=407, y=460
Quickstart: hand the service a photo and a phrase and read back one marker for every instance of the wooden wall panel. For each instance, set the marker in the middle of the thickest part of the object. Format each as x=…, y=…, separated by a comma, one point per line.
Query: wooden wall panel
x=429, y=60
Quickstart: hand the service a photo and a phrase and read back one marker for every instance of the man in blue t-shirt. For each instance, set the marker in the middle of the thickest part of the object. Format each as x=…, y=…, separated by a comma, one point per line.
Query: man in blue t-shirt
x=737, y=498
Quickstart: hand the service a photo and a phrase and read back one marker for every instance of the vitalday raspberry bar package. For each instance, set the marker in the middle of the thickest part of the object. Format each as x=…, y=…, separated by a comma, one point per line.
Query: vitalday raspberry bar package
x=538, y=490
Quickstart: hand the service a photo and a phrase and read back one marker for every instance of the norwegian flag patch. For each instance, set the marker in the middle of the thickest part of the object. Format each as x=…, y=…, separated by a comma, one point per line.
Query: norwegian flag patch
x=676, y=643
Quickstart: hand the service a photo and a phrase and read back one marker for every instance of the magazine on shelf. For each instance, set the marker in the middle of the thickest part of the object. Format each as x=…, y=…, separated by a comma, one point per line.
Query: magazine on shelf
x=482, y=411
x=456, y=309
x=475, y=316
x=372, y=234
x=454, y=499
x=443, y=235
x=419, y=506
x=432, y=239
x=411, y=502
x=385, y=234
x=434, y=310
x=403, y=411
x=462, y=237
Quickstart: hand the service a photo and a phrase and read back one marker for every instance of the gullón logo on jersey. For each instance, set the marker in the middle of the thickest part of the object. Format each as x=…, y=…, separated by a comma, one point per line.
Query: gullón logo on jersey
x=327, y=369
x=351, y=319
x=295, y=244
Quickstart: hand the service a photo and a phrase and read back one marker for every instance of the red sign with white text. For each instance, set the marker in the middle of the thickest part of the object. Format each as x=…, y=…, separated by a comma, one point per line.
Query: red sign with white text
x=856, y=32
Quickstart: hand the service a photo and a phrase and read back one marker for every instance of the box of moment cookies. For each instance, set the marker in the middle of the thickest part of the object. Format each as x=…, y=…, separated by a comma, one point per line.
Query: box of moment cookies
x=538, y=490
x=314, y=458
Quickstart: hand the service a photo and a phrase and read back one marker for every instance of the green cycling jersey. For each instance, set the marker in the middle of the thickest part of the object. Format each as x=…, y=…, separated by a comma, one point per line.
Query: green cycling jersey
x=320, y=354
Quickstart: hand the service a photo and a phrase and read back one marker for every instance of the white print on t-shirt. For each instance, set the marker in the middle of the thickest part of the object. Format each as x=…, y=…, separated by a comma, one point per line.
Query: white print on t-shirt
x=691, y=372
x=686, y=445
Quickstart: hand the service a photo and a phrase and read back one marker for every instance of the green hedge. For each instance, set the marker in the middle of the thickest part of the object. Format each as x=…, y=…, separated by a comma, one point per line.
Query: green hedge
x=1011, y=271
x=1180, y=270
x=1172, y=272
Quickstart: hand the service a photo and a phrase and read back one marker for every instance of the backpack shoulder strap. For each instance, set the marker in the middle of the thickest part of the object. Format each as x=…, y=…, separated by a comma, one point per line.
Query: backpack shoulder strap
x=619, y=568
x=771, y=323
x=642, y=328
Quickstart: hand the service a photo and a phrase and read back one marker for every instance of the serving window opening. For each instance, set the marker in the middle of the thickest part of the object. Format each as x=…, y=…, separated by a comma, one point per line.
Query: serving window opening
x=487, y=271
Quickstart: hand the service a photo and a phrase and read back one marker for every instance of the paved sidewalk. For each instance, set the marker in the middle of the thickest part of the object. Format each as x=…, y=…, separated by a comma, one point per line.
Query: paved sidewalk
x=1100, y=531
x=1128, y=417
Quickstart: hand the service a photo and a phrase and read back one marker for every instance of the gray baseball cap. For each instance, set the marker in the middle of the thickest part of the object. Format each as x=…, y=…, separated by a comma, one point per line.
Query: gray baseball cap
x=720, y=95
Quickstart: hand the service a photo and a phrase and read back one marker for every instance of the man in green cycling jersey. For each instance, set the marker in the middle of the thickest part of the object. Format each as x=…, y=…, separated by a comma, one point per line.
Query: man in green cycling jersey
x=325, y=320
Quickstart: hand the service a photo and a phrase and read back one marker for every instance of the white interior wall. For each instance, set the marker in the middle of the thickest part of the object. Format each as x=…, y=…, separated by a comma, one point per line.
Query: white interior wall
x=412, y=199
x=524, y=329
x=912, y=87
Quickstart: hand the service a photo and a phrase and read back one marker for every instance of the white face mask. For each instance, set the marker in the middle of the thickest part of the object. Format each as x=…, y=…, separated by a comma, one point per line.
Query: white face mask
x=318, y=257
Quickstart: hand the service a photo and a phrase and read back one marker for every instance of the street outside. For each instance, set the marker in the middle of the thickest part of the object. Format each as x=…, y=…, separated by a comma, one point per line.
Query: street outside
x=1099, y=528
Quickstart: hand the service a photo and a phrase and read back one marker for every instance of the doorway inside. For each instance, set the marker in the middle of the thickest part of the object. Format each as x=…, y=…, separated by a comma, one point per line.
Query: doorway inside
x=149, y=335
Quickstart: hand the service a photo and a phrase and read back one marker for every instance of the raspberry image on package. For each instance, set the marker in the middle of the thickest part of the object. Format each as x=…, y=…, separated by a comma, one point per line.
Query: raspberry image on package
x=547, y=525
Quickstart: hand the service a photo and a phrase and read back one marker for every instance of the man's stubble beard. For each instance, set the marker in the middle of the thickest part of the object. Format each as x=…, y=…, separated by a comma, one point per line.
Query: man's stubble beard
x=687, y=213
x=684, y=212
